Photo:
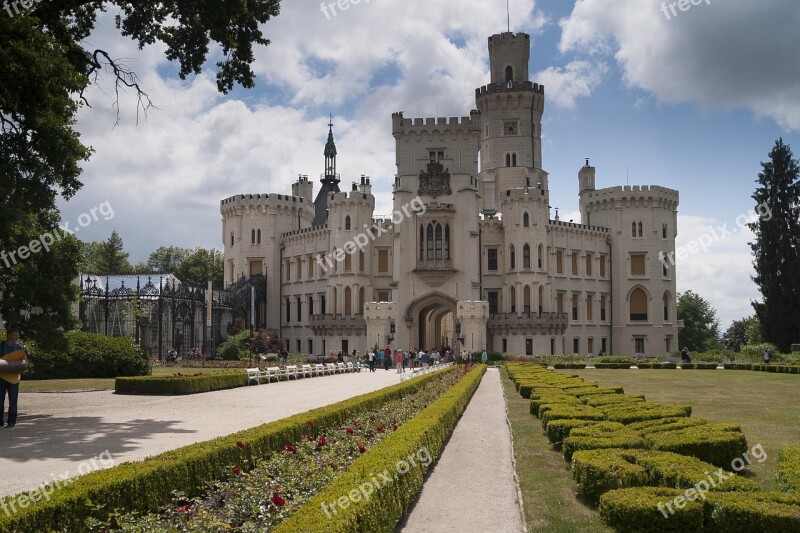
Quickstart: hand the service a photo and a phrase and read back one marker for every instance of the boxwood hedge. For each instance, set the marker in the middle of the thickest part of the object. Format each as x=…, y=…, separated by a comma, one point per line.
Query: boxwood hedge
x=181, y=384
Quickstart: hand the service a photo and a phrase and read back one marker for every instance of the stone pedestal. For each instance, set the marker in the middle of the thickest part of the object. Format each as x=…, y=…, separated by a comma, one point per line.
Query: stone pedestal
x=472, y=316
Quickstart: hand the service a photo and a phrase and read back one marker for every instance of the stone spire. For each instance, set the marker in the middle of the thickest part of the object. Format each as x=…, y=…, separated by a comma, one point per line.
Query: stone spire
x=330, y=180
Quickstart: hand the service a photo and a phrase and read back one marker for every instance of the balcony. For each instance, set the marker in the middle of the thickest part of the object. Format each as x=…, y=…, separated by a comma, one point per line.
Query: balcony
x=338, y=325
x=528, y=323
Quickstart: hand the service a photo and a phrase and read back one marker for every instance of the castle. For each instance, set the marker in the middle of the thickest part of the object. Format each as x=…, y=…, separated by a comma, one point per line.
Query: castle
x=470, y=257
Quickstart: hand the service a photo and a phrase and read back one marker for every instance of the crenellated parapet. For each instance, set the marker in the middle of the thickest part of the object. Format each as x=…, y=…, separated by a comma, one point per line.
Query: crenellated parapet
x=403, y=127
x=235, y=205
x=630, y=196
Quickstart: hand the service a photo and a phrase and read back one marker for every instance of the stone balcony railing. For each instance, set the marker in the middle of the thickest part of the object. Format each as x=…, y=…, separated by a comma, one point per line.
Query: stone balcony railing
x=330, y=324
x=520, y=323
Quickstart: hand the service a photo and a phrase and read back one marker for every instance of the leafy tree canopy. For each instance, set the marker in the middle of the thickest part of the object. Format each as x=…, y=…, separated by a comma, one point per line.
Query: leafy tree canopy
x=700, y=323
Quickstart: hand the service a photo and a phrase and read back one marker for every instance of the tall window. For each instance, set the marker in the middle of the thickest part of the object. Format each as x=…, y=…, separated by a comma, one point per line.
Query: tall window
x=663, y=231
x=437, y=236
x=310, y=305
x=640, y=229
x=347, y=223
x=589, y=258
x=560, y=262
x=666, y=307
x=560, y=302
x=526, y=257
x=348, y=262
x=589, y=307
x=574, y=263
x=633, y=229
x=383, y=261
x=434, y=241
x=602, y=307
x=527, y=299
x=638, y=305
x=574, y=307
x=637, y=265
x=335, y=301
x=509, y=74
x=231, y=238
x=492, y=267
x=361, y=260
x=299, y=310
x=513, y=258
x=513, y=298
x=493, y=301
x=526, y=220
x=541, y=256
x=602, y=266
x=361, y=300
x=252, y=236
x=288, y=310
x=541, y=299
x=348, y=302
x=447, y=241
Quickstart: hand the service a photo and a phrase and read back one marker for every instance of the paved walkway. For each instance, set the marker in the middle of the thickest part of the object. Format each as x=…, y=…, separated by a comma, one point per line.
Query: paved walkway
x=61, y=433
x=472, y=487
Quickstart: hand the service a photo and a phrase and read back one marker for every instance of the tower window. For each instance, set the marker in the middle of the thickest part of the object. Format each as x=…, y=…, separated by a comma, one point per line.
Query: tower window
x=633, y=229
x=492, y=266
x=526, y=257
x=252, y=236
x=526, y=220
x=513, y=261
x=509, y=75
x=513, y=160
x=347, y=223
x=664, y=231
x=640, y=229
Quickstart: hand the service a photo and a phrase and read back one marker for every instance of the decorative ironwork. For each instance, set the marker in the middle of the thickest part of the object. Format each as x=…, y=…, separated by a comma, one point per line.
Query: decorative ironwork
x=435, y=181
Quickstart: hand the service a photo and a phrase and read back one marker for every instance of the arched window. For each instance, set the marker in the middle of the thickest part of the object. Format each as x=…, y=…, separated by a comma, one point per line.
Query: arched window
x=447, y=241
x=513, y=261
x=334, y=301
x=361, y=298
x=663, y=231
x=514, y=160
x=666, y=307
x=633, y=229
x=348, y=302
x=486, y=130
x=527, y=299
x=541, y=298
x=508, y=160
x=513, y=294
x=347, y=223
x=231, y=238
x=526, y=220
x=252, y=236
x=509, y=74
x=258, y=236
x=429, y=242
x=540, y=256
x=640, y=229
x=526, y=257
x=438, y=240
x=638, y=305
x=348, y=262
x=422, y=242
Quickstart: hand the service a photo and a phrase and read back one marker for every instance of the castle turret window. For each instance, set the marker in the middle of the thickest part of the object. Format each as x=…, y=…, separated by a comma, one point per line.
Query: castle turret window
x=638, y=305
x=347, y=223
x=526, y=257
x=526, y=220
x=513, y=258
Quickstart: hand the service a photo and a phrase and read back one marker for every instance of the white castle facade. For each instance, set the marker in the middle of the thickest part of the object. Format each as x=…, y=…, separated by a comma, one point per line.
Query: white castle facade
x=470, y=258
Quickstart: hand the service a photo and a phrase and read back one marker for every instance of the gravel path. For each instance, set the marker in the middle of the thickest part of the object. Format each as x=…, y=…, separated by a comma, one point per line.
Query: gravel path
x=58, y=434
x=472, y=487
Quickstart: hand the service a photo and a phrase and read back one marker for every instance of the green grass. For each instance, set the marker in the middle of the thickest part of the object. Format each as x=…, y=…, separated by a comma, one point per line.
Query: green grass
x=548, y=492
x=76, y=385
x=765, y=404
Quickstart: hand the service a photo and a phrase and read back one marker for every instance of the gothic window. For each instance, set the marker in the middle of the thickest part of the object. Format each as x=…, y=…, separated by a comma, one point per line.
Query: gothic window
x=231, y=238
x=361, y=298
x=663, y=231
x=252, y=236
x=526, y=257
x=258, y=236
x=438, y=240
x=509, y=76
x=508, y=160
x=540, y=255
x=638, y=305
x=429, y=242
x=422, y=242
x=633, y=229
x=447, y=241
x=640, y=229
x=526, y=220
x=513, y=160
x=347, y=223
x=513, y=261
x=666, y=307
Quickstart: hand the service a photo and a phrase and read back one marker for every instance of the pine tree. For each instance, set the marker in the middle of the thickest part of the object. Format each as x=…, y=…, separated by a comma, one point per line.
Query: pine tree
x=112, y=258
x=776, y=248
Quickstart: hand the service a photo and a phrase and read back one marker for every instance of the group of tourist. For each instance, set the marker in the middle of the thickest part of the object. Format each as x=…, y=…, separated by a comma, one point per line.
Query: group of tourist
x=406, y=359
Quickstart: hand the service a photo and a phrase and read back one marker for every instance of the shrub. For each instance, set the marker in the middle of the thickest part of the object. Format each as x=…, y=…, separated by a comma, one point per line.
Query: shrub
x=789, y=469
x=181, y=384
x=88, y=356
x=641, y=411
x=612, y=365
x=718, y=444
x=759, y=511
x=666, y=424
x=558, y=430
x=601, y=435
x=235, y=346
x=558, y=366
x=614, y=359
x=552, y=400
x=579, y=412
x=637, y=509
x=599, y=400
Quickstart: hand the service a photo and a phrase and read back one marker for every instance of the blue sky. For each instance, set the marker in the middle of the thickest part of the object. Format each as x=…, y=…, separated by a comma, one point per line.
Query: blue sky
x=693, y=103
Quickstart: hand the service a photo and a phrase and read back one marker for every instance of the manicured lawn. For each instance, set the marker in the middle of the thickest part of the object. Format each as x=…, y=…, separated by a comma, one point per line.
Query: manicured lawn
x=74, y=385
x=765, y=404
x=548, y=492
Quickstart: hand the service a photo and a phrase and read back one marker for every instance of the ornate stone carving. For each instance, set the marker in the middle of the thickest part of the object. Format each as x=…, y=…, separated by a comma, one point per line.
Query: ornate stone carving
x=435, y=181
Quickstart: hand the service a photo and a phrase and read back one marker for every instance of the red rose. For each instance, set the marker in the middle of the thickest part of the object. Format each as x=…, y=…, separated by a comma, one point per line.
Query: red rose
x=379, y=429
x=184, y=508
x=240, y=444
x=350, y=431
x=395, y=427
x=237, y=470
x=309, y=423
x=277, y=500
x=362, y=449
x=289, y=448
x=311, y=438
x=321, y=442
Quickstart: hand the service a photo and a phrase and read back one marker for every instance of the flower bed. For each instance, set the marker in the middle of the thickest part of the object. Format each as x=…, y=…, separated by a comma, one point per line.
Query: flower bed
x=144, y=486
x=259, y=496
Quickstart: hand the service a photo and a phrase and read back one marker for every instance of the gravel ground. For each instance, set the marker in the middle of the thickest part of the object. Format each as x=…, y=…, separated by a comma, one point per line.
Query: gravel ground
x=472, y=487
x=58, y=434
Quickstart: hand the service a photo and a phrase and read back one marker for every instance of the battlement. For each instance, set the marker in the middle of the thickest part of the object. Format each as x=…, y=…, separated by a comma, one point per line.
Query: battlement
x=527, y=193
x=312, y=231
x=580, y=227
x=405, y=126
x=351, y=197
x=263, y=200
x=509, y=88
x=632, y=192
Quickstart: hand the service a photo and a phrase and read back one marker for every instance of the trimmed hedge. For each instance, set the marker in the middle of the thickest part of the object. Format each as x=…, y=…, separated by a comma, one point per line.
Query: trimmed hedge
x=601, y=435
x=389, y=501
x=181, y=384
x=637, y=509
x=641, y=411
x=612, y=365
x=699, y=366
x=718, y=444
x=789, y=469
x=145, y=485
x=579, y=412
x=657, y=366
x=558, y=430
x=666, y=424
x=600, y=400
x=600, y=470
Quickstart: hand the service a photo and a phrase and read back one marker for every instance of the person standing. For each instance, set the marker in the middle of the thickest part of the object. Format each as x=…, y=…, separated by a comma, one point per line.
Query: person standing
x=484, y=356
x=387, y=358
x=12, y=389
x=371, y=358
x=380, y=357
x=398, y=360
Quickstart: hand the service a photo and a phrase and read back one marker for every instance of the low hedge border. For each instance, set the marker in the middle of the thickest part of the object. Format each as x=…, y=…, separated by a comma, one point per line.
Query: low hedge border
x=145, y=485
x=718, y=444
x=211, y=381
x=389, y=501
x=612, y=365
x=601, y=435
x=789, y=469
x=637, y=509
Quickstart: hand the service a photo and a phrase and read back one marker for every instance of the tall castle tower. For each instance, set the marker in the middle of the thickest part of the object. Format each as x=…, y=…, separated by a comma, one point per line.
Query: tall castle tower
x=330, y=180
x=511, y=110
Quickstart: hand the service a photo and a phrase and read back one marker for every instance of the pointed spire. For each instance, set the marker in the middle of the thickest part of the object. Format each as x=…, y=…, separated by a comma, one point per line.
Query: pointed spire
x=330, y=146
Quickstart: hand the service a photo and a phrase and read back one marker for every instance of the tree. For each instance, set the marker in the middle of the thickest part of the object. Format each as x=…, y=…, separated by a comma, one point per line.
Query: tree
x=736, y=335
x=112, y=258
x=46, y=66
x=701, y=326
x=167, y=259
x=201, y=266
x=753, y=330
x=776, y=248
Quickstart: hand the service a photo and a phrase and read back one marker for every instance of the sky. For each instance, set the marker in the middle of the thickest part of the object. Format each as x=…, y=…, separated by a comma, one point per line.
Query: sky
x=690, y=99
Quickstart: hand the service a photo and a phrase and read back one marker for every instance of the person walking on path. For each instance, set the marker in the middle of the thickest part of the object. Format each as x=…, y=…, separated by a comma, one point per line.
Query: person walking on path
x=12, y=389
x=484, y=356
x=371, y=358
x=398, y=360
x=387, y=358
x=380, y=358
